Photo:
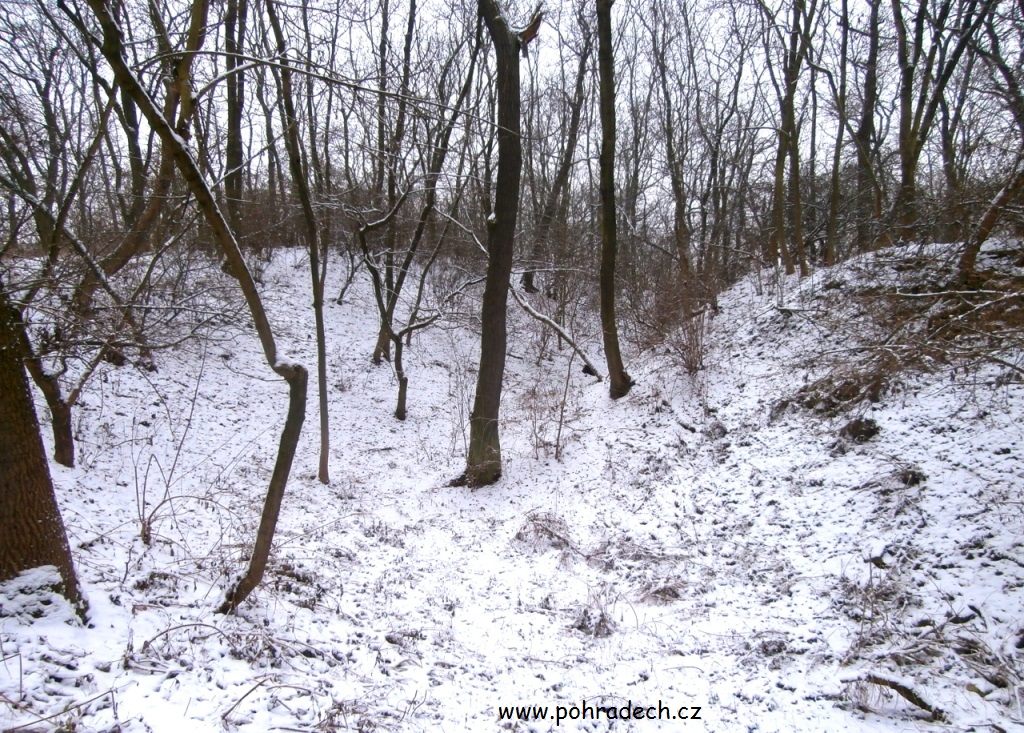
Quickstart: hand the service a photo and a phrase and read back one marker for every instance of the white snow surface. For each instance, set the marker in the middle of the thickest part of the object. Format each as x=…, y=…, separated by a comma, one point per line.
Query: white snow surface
x=692, y=546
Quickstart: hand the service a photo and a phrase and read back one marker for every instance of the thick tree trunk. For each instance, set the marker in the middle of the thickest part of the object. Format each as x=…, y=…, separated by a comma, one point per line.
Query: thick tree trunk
x=31, y=529
x=777, y=249
x=483, y=462
x=796, y=207
x=382, y=348
x=619, y=381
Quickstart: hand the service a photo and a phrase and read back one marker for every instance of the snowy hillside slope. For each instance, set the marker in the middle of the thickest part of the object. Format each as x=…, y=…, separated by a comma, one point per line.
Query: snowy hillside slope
x=714, y=541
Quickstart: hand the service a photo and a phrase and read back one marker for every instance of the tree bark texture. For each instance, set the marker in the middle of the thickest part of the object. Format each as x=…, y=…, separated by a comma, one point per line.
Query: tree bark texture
x=31, y=529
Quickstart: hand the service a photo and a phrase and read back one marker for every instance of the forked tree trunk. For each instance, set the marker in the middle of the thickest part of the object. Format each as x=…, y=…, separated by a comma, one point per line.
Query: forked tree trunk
x=60, y=408
x=789, y=148
x=919, y=102
x=483, y=462
x=49, y=385
x=31, y=529
x=619, y=381
x=387, y=291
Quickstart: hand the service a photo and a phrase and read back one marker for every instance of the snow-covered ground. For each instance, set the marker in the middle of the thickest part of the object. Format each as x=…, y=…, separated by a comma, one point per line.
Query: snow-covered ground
x=706, y=542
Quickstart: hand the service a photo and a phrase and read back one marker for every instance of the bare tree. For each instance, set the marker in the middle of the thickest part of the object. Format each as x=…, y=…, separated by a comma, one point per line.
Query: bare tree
x=928, y=52
x=53, y=178
x=1007, y=83
x=483, y=461
x=388, y=289
x=869, y=191
x=112, y=46
x=553, y=202
x=311, y=233
x=794, y=43
x=619, y=381
x=675, y=157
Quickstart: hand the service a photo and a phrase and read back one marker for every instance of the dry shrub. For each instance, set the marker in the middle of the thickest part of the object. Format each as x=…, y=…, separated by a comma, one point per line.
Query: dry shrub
x=662, y=592
x=903, y=313
x=596, y=617
x=844, y=389
x=544, y=531
x=594, y=622
x=689, y=342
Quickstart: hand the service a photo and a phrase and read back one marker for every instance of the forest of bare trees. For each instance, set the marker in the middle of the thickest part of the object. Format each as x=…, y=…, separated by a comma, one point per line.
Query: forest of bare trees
x=630, y=158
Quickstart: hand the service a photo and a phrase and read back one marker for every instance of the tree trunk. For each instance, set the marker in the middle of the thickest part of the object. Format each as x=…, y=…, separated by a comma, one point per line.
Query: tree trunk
x=483, y=462
x=60, y=409
x=561, y=180
x=777, y=247
x=49, y=385
x=834, y=193
x=31, y=529
x=988, y=221
x=300, y=179
x=868, y=196
x=680, y=225
x=403, y=380
x=619, y=381
x=382, y=347
x=275, y=494
x=919, y=100
x=63, y=435
x=234, y=40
